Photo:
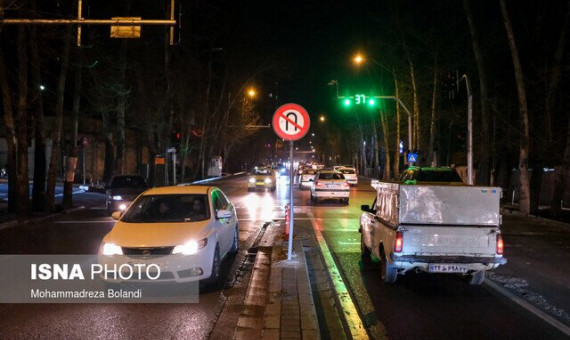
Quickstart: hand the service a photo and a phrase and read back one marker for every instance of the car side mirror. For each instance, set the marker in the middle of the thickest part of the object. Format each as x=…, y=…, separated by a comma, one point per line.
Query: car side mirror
x=116, y=215
x=222, y=213
x=365, y=207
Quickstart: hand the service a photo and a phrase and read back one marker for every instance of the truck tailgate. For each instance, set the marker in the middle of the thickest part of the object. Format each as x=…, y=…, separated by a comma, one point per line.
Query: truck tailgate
x=441, y=240
x=449, y=205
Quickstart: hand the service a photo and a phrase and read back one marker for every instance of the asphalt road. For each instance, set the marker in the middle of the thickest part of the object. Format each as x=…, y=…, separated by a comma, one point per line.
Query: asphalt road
x=418, y=306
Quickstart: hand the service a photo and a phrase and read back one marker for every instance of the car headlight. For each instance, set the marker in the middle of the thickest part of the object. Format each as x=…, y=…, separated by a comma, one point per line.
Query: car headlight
x=116, y=198
x=112, y=249
x=191, y=247
x=268, y=180
x=122, y=207
x=252, y=180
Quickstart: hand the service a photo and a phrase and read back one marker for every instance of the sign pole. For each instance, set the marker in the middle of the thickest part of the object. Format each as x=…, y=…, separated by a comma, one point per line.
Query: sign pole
x=291, y=208
x=291, y=122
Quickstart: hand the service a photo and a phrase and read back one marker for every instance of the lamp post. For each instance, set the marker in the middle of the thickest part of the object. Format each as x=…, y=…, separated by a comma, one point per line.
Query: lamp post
x=469, y=130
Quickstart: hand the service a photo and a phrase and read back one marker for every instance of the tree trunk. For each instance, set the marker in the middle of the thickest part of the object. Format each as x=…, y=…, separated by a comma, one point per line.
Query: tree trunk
x=433, y=115
x=109, y=147
x=556, y=73
x=417, y=133
x=39, y=188
x=121, y=107
x=524, y=148
x=73, y=154
x=11, y=159
x=397, y=153
x=387, y=166
x=22, y=189
x=561, y=179
x=483, y=174
x=56, y=139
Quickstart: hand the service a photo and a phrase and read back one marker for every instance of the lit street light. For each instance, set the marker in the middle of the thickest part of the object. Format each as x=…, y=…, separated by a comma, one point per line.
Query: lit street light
x=322, y=118
x=251, y=92
x=358, y=59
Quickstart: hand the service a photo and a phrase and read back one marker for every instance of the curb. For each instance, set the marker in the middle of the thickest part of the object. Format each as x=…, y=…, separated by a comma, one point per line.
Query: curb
x=13, y=223
x=279, y=301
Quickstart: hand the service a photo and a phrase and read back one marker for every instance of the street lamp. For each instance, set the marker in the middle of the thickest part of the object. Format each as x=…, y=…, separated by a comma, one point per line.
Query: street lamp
x=469, y=130
x=251, y=92
x=358, y=59
x=322, y=118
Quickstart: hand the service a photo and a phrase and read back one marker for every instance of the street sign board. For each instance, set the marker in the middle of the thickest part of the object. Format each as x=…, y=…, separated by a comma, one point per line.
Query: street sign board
x=412, y=157
x=291, y=122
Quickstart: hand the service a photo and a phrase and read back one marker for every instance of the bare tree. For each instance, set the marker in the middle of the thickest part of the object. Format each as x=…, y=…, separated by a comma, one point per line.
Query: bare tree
x=57, y=131
x=562, y=174
x=397, y=149
x=524, y=146
x=484, y=171
x=434, y=97
x=12, y=145
x=39, y=188
x=22, y=125
x=74, y=150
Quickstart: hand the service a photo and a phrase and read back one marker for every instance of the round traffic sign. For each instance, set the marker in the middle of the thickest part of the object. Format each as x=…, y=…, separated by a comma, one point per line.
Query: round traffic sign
x=291, y=122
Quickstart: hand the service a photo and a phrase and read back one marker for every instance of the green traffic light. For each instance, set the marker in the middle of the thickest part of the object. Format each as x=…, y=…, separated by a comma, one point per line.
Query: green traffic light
x=347, y=102
x=371, y=102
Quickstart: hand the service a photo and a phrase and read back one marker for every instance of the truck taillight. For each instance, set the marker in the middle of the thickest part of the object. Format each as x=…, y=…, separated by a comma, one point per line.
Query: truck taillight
x=399, y=242
x=500, y=244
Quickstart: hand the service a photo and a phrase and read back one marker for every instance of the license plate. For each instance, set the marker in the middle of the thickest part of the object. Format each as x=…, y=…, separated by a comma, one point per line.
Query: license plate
x=446, y=268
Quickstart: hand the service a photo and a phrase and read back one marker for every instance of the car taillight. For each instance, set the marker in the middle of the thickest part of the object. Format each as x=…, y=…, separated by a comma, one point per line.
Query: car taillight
x=399, y=242
x=500, y=244
x=345, y=185
x=319, y=184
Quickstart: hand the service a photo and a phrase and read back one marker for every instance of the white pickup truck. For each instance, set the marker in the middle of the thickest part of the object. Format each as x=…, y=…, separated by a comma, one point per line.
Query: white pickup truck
x=435, y=228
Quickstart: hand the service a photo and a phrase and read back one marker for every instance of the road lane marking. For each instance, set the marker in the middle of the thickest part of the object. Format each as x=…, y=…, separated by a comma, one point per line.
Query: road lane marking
x=350, y=313
x=529, y=307
x=74, y=192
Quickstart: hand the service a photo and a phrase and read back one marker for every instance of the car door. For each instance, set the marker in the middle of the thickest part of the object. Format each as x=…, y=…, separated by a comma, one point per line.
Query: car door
x=223, y=226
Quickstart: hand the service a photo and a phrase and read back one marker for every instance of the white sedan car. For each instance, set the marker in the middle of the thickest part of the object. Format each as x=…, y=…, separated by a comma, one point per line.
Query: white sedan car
x=330, y=184
x=349, y=174
x=186, y=231
x=306, y=178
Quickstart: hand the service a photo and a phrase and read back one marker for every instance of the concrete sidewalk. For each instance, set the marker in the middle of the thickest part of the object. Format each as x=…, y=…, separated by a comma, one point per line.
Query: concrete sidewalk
x=279, y=302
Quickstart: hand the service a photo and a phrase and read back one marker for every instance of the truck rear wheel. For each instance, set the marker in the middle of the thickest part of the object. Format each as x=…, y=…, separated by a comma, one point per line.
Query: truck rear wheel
x=388, y=272
x=477, y=278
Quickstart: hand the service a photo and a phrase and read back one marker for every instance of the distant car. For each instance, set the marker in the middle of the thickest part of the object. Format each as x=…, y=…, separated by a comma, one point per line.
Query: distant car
x=306, y=178
x=262, y=178
x=192, y=228
x=416, y=174
x=122, y=190
x=330, y=184
x=349, y=174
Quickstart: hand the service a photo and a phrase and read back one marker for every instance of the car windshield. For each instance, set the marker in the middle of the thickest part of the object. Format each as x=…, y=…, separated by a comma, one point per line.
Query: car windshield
x=167, y=208
x=347, y=171
x=438, y=176
x=308, y=172
x=128, y=182
x=331, y=175
x=262, y=172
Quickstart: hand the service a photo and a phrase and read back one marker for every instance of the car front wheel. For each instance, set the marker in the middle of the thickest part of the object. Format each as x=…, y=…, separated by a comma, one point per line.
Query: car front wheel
x=215, y=276
x=235, y=242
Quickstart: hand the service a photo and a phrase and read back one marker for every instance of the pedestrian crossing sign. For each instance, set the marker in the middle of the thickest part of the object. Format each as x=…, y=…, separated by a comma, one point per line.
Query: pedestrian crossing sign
x=412, y=158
